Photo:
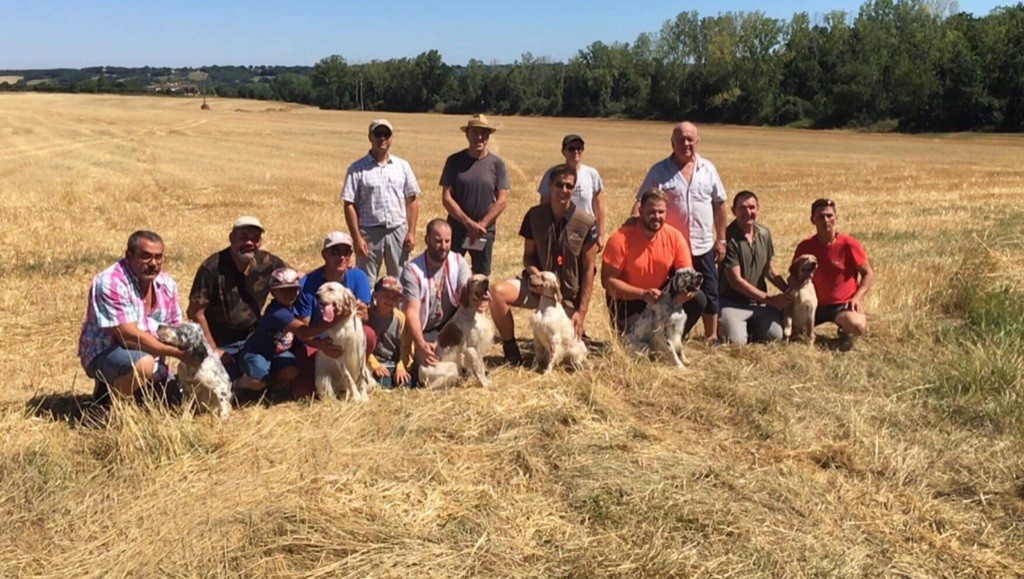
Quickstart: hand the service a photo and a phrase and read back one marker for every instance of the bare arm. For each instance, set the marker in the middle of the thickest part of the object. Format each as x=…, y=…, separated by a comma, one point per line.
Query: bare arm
x=131, y=337
x=599, y=216
x=619, y=289
x=530, y=261
x=499, y=205
x=453, y=208
x=197, y=313
x=411, y=309
x=718, y=208
x=352, y=220
x=867, y=278
x=412, y=214
x=587, y=283
x=775, y=277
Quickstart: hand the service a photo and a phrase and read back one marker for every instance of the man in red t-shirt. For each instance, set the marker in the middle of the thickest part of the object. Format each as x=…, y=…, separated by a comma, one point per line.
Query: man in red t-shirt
x=638, y=260
x=843, y=275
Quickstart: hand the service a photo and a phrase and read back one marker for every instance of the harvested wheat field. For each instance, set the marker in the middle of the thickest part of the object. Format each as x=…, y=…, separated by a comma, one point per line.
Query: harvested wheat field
x=903, y=457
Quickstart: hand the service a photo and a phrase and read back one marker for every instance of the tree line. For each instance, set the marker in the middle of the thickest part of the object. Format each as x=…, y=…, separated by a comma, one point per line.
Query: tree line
x=911, y=65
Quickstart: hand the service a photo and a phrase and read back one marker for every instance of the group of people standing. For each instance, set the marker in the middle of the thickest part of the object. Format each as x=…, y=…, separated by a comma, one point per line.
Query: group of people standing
x=678, y=221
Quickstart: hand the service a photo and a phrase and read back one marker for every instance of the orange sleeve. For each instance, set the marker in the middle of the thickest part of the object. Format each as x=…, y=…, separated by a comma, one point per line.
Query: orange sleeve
x=615, y=251
x=683, y=259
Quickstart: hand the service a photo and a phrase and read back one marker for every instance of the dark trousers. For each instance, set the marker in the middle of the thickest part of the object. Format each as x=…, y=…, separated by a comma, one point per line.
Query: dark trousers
x=624, y=313
x=705, y=264
x=480, y=260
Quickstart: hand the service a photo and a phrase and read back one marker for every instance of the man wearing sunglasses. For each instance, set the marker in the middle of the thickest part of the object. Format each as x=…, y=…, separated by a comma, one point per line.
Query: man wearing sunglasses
x=381, y=206
x=558, y=237
x=337, y=254
x=587, y=195
x=843, y=276
x=230, y=289
x=128, y=301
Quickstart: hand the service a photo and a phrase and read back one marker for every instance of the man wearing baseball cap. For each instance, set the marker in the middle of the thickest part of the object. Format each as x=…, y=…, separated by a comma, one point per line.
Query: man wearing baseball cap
x=231, y=287
x=587, y=195
x=337, y=255
x=474, y=191
x=381, y=207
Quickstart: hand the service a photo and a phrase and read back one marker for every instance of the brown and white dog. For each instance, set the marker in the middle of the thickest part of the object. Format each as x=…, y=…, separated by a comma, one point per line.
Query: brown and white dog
x=462, y=342
x=798, y=320
x=554, y=338
x=347, y=375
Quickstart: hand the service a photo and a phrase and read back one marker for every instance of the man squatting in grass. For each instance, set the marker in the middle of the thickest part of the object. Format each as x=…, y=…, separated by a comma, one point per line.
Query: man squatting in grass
x=267, y=359
x=748, y=312
x=558, y=237
x=337, y=267
x=843, y=276
x=696, y=206
x=430, y=290
x=128, y=301
x=587, y=195
x=381, y=206
x=230, y=288
x=474, y=192
x=638, y=260
x=392, y=358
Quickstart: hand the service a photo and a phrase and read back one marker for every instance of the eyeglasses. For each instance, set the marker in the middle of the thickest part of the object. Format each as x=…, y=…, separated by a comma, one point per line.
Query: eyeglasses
x=382, y=134
x=574, y=149
x=565, y=185
x=145, y=256
x=340, y=251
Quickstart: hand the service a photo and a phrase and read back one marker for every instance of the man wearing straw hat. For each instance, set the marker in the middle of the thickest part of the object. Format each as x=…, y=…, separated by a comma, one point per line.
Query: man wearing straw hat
x=474, y=191
x=380, y=205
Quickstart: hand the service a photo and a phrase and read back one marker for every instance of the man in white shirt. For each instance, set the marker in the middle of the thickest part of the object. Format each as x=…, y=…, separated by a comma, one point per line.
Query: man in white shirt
x=697, y=208
x=381, y=207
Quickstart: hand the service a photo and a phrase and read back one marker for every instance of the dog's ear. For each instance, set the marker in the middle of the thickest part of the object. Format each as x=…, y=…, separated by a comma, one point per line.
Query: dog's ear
x=794, y=269
x=464, y=294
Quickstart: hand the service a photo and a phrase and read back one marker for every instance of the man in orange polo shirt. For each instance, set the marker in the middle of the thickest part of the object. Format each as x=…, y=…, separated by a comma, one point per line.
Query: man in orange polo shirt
x=843, y=276
x=639, y=259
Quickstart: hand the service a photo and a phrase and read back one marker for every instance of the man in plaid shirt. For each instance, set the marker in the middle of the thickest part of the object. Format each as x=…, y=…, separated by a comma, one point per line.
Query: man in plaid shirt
x=380, y=205
x=128, y=301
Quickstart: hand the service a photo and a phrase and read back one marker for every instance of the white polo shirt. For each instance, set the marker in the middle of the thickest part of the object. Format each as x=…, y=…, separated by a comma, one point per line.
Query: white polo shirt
x=689, y=204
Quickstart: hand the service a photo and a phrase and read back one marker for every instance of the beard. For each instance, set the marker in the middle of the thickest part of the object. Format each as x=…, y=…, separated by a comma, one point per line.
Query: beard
x=652, y=225
x=437, y=255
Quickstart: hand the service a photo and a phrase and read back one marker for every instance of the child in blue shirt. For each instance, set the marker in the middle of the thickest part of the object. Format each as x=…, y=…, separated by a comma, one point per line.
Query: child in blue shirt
x=266, y=358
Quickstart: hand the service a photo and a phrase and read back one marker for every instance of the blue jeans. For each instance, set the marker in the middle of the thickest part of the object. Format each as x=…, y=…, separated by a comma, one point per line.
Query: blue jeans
x=114, y=362
x=260, y=367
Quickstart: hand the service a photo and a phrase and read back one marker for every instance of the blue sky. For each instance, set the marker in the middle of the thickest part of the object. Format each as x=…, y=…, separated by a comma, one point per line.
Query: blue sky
x=53, y=34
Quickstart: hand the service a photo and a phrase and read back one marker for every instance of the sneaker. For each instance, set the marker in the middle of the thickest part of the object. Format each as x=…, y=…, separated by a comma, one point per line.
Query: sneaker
x=513, y=357
x=846, y=341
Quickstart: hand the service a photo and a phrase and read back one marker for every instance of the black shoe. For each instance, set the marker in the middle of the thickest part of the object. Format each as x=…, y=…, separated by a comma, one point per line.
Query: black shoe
x=513, y=357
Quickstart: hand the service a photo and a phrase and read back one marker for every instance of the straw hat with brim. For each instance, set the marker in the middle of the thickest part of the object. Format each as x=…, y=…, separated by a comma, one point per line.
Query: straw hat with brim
x=478, y=122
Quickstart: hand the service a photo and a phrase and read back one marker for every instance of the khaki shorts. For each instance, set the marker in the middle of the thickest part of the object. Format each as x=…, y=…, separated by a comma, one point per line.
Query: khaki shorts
x=529, y=300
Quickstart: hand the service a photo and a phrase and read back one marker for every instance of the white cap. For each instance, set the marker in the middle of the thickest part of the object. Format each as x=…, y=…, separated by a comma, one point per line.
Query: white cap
x=337, y=238
x=247, y=221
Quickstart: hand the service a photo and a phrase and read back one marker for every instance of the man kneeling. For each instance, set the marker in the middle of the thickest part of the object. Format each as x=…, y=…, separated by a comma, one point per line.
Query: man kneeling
x=556, y=238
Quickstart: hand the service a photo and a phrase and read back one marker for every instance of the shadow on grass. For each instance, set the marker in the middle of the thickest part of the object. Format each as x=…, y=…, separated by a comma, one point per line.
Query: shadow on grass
x=75, y=409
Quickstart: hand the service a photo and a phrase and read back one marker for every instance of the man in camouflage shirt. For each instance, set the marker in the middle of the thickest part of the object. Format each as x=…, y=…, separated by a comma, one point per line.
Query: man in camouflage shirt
x=231, y=288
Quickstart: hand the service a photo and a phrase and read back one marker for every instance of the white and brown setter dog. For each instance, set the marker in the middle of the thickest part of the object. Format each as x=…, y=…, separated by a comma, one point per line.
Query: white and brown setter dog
x=462, y=342
x=798, y=319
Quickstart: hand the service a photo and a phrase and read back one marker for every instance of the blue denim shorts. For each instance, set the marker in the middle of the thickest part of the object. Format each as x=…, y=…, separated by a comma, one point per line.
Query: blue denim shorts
x=114, y=362
x=258, y=366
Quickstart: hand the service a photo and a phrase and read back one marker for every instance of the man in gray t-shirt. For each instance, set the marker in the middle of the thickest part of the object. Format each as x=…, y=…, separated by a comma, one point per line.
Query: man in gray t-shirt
x=474, y=191
x=430, y=289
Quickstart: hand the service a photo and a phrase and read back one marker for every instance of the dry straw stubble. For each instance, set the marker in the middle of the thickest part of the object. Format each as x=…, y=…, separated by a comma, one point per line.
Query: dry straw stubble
x=755, y=461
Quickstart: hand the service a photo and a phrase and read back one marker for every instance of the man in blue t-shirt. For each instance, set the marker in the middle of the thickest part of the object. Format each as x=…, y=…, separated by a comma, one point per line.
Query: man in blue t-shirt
x=337, y=255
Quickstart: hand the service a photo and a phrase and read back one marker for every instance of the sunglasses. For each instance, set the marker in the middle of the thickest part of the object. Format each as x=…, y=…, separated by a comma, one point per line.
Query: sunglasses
x=576, y=149
x=382, y=134
x=340, y=251
x=565, y=185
